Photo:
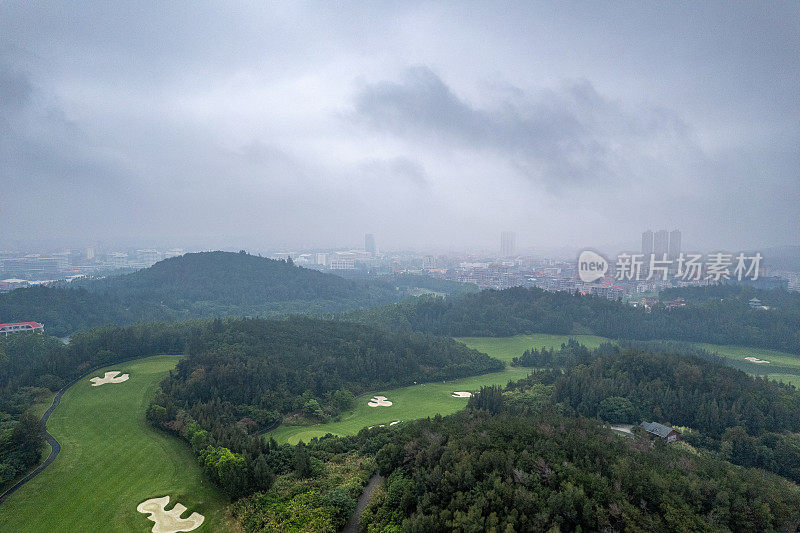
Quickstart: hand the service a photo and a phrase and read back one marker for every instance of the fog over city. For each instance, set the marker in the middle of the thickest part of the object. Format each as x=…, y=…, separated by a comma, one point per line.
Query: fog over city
x=431, y=125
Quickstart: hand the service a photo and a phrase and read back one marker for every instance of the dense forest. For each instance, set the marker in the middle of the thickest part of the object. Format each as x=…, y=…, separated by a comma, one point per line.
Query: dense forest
x=240, y=377
x=537, y=470
x=205, y=285
x=531, y=310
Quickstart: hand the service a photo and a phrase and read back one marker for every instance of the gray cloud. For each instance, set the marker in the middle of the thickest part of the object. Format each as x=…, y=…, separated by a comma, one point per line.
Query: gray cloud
x=565, y=137
x=431, y=125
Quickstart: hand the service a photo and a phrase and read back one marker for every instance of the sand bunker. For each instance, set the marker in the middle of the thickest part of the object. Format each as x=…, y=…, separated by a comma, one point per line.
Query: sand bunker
x=379, y=401
x=756, y=360
x=109, y=377
x=461, y=394
x=169, y=521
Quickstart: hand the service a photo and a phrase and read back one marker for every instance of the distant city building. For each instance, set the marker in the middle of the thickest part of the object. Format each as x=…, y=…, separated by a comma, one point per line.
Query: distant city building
x=322, y=258
x=342, y=264
x=507, y=243
x=148, y=257
x=32, y=267
x=674, y=244
x=661, y=243
x=118, y=259
x=369, y=243
x=19, y=327
x=647, y=243
x=175, y=252
x=428, y=262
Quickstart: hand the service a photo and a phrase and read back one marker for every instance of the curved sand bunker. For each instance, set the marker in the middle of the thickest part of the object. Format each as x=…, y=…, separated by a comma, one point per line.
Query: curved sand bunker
x=379, y=401
x=756, y=360
x=169, y=521
x=109, y=377
x=461, y=394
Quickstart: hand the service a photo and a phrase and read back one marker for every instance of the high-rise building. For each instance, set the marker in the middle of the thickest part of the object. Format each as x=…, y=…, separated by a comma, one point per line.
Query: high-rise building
x=507, y=239
x=647, y=242
x=674, y=243
x=369, y=243
x=660, y=243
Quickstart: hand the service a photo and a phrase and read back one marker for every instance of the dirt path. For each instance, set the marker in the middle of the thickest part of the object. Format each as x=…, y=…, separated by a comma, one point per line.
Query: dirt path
x=352, y=525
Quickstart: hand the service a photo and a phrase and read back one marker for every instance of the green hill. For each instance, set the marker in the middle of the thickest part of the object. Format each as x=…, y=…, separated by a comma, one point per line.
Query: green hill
x=198, y=285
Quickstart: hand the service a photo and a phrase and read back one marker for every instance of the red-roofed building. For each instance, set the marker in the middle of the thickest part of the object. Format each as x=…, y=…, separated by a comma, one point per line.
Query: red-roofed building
x=16, y=327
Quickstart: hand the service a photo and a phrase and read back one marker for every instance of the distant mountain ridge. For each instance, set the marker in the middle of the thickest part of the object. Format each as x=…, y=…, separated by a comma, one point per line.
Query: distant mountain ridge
x=195, y=285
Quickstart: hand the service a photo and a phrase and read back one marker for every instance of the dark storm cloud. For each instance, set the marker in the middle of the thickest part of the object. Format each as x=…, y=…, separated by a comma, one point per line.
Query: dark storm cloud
x=570, y=136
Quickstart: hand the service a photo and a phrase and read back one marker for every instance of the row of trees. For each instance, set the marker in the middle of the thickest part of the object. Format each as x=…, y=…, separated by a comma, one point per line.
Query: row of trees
x=532, y=310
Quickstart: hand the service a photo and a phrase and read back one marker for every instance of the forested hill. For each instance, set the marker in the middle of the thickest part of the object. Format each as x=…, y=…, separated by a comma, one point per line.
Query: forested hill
x=242, y=376
x=532, y=310
x=198, y=285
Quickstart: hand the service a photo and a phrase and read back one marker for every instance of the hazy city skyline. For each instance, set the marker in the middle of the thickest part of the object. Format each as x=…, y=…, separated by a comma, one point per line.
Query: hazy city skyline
x=429, y=125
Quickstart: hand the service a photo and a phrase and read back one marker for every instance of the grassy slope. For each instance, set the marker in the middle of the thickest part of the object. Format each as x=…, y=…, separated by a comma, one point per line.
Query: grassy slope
x=110, y=461
x=420, y=401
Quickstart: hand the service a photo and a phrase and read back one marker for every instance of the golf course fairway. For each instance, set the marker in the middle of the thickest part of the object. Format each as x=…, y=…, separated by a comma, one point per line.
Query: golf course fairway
x=430, y=399
x=111, y=460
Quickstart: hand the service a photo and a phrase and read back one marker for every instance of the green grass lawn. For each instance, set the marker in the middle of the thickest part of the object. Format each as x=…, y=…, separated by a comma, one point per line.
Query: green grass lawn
x=111, y=460
x=785, y=362
x=506, y=348
x=430, y=399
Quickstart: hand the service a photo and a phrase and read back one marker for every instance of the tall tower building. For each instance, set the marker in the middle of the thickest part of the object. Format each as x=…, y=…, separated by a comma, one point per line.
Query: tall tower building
x=660, y=243
x=369, y=243
x=674, y=243
x=647, y=242
x=507, y=239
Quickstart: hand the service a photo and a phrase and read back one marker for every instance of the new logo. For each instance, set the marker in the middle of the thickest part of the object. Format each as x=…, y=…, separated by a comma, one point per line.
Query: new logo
x=591, y=266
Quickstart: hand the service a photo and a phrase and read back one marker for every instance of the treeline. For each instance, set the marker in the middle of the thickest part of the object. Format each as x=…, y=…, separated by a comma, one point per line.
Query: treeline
x=242, y=376
x=531, y=310
x=788, y=301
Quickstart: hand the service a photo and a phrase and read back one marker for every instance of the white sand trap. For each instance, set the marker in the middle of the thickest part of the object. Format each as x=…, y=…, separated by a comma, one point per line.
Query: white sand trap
x=169, y=521
x=379, y=401
x=109, y=377
x=393, y=423
x=461, y=394
x=756, y=360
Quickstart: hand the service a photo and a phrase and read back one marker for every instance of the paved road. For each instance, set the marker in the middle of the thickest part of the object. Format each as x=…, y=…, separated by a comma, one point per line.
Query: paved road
x=352, y=525
x=55, y=447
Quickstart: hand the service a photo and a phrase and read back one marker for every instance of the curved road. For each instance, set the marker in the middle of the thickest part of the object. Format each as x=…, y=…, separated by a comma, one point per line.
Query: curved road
x=55, y=447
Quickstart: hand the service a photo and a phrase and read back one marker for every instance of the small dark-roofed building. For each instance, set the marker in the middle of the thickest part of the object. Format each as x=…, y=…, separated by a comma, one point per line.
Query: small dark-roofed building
x=660, y=430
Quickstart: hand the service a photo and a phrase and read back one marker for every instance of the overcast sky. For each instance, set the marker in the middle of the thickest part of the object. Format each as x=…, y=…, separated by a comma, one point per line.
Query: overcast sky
x=429, y=124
